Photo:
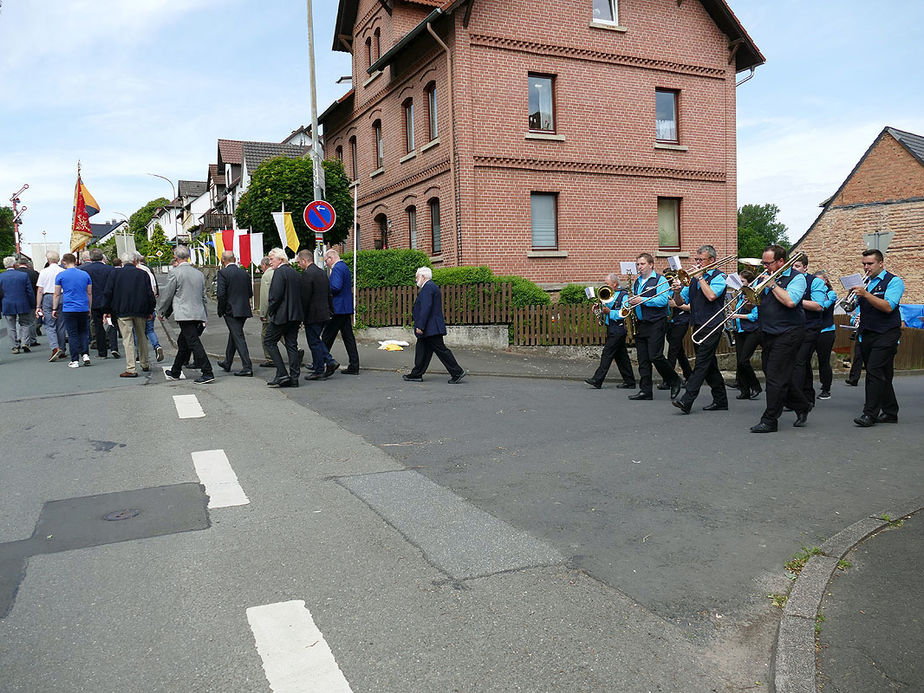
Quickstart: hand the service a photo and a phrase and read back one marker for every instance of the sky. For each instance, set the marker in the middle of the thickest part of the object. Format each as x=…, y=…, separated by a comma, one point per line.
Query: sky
x=133, y=87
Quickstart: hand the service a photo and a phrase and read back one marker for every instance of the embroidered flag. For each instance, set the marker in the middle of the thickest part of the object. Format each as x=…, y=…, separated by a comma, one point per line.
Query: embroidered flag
x=84, y=208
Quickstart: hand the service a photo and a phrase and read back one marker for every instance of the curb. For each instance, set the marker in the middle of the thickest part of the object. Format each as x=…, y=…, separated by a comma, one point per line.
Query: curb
x=794, y=667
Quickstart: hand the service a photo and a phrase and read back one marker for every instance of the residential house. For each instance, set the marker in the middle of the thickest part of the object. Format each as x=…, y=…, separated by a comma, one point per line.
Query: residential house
x=106, y=231
x=194, y=203
x=549, y=140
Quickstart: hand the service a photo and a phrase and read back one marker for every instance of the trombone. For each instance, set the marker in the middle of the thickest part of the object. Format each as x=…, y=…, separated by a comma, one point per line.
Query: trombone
x=685, y=277
x=753, y=292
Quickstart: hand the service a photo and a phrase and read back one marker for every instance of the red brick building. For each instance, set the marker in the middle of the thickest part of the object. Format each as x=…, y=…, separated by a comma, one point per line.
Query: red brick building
x=883, y=194
x=549, y=140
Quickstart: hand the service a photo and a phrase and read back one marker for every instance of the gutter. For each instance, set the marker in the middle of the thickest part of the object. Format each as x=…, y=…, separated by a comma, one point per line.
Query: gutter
x=385, y=59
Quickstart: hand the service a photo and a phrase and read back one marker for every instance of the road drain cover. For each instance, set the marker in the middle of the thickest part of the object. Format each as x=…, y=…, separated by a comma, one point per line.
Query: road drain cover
x=126, y=514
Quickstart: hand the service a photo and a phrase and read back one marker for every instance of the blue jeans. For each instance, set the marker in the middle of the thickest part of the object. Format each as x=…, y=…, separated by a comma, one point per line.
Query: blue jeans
x=54, y=327
x=149, y=333
x=78, y=332
x=320, y=356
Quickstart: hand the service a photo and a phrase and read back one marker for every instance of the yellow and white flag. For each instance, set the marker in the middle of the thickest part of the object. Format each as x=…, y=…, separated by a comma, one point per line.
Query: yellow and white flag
x=286, y=229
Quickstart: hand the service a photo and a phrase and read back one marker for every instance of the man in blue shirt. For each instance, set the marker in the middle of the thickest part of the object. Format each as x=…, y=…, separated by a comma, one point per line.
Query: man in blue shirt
x=813, y=304
x=614, y=349
x=879, y=330
x=73, y=298
x=706, y=296
x=341, y=289
x=782, y=325
x=649, y=303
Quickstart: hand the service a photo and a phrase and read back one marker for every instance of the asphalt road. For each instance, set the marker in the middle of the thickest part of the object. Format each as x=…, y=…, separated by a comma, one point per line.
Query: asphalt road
x=503, y=534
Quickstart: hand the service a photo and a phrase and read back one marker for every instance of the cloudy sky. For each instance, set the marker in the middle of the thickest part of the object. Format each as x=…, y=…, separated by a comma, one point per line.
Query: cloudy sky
x=132, y=87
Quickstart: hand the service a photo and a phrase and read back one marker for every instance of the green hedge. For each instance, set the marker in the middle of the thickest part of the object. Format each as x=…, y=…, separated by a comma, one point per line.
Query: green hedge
x=573, y=295
x=375, y=268
x=525, y=293
x=462, y=275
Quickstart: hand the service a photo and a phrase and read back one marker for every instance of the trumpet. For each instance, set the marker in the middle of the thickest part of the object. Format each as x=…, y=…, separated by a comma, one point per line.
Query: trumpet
x=850, y=302
x=752, y=293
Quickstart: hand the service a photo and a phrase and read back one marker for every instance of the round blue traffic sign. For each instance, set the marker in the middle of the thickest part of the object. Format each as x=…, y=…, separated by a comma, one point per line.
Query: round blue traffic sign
x=319, y=216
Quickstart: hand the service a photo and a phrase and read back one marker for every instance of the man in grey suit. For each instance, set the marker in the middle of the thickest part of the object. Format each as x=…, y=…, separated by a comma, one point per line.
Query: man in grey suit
x=234, y=294
x=184, y=296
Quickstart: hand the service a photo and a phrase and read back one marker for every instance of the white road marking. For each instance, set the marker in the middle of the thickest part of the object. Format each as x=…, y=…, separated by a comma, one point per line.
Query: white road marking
x=220, y=481
x=182, y=374
x=296, y=658
x=188, y=407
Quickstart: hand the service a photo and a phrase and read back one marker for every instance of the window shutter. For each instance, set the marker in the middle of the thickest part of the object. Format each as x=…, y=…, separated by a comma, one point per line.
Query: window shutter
x=545, y=227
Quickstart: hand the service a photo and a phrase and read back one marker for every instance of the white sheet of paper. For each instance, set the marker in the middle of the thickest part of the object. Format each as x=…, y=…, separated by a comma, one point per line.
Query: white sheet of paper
x=733, y=281
x=627, y=268
x=590, y=292
x=674, y=262
x=852, y=280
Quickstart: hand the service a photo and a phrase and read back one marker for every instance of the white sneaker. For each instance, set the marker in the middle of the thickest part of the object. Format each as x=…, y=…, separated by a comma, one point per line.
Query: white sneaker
x=74, y=364
x=86, y=360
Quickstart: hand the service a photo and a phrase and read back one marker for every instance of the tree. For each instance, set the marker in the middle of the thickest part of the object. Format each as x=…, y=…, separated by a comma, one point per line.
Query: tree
x=290, y=181
x=138, y=224
x=157, y=243
x=7, y=233
x=758, y=228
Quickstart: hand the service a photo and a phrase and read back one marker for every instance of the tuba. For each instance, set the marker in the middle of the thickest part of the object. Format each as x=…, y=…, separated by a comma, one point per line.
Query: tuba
x=604, y=293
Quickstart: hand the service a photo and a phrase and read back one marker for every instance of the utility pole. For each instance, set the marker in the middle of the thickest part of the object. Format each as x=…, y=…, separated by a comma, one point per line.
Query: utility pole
x=176, y=230
x=316, y=157
x=17, y=213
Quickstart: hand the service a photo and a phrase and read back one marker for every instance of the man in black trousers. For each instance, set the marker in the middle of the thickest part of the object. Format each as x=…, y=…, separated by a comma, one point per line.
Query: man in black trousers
x=234, y=294
x=429, y=328
x=284, y=317
x=317, y=306
x=99, y=272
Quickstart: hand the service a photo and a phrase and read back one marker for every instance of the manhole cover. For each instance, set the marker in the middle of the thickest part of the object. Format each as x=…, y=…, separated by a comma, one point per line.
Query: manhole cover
x=126, y=514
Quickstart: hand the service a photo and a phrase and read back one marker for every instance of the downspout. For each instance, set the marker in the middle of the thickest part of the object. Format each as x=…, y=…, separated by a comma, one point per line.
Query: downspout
x=452, y=145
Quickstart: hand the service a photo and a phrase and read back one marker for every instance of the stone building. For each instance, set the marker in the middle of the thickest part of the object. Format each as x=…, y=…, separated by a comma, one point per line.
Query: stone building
x=883, y=194
x=549, y=140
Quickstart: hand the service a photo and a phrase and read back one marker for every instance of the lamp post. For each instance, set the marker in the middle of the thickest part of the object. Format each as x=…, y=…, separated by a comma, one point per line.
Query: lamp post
x=176, y=232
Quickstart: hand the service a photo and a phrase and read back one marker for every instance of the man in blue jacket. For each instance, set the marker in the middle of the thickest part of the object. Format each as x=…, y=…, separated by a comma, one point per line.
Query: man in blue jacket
x=18, y=304
x=429, y=328
x=341, y=289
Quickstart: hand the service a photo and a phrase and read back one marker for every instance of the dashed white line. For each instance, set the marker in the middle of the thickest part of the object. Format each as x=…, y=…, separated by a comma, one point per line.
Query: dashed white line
x=220, y=481
x=188, y=407
x=296, y=658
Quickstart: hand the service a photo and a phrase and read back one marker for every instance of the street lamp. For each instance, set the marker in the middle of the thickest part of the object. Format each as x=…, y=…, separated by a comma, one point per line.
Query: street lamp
x=176, y=232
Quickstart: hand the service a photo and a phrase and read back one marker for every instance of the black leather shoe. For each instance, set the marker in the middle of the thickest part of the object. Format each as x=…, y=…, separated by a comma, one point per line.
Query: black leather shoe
x=266, y=364
x=865, y=421
x=244, y=373
x=664, y=386
x=675, y=388
x=315, y=376
x=331, y=368
x=757, y=393
x=787, y=409
x=626, y=386
x=456, y=379
x=763, y=428
x=640, y=395
x=685, y=408
x=852, y=383
x=412, y=378
x=593, y=383
x=289, y=382
x=226, y=367
x=278, y=382
x=886, y=418
x=350, y=371
x=301, y=357
x=715, y=407
x=801, y=419
x=744, y=395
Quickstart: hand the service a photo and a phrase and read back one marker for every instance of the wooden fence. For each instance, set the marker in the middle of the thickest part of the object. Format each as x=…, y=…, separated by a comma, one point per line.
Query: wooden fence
x=463, y=304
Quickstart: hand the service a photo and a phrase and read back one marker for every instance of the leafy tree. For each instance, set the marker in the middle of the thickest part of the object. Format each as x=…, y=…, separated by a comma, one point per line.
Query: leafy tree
x=290, y=181
x=7, y=233
x=159, y=242
x=109, y=249
x=138, y=223
x=758, y=228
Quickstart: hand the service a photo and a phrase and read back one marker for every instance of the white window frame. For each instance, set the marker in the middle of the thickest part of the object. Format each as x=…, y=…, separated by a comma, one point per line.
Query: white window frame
x=554, y=198
x=614, y=8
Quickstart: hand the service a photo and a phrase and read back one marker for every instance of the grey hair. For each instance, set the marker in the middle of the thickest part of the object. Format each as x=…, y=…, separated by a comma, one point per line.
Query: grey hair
x=424, y=272
x=53, y=256
x=9, y=261
x=708, y=249
x=332, y=253
x=264, y=262
x=304, y=254
x=128, y=257
x=181, y=252
x=613, y=280
x=278, y=253
x=96, y=254
x=227, y=256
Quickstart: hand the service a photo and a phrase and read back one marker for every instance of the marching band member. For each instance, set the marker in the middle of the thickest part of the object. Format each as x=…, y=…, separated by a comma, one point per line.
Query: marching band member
x=615, y=347
x=705, y=294
x=826, y=338
x=782, y=327
x=813, y=305
x=677, y=325
x=650, y=305
x=879, y=331
x=748, y=329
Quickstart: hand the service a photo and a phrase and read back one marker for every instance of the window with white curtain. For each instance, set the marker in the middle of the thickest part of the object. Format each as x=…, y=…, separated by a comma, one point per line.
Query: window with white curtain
x=544, y=215
x=669, y=223
x=541, y=103
x=666, y=116
x=606, y=11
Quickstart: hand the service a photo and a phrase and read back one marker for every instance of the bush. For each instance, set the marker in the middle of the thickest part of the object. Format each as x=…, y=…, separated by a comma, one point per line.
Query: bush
x=375, y=268
x=463, y=275
x=525, y=293
x=573, y=295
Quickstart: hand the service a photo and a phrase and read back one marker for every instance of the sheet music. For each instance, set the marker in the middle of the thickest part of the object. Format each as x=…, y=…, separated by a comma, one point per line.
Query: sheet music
x=590, y=292
x=674, y=262
x=627, y=268
x=853, y=280
x=733, y=281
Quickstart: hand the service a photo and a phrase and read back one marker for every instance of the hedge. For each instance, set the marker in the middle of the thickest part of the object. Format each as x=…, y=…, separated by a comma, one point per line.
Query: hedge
x=376, y=268
x=525, y=293
x=463, y=275
x=573, y=295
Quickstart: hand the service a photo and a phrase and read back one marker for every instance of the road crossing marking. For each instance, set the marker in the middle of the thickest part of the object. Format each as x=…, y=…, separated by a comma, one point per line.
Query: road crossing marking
x=188, y=407
x=220, y=481
x=296, y=658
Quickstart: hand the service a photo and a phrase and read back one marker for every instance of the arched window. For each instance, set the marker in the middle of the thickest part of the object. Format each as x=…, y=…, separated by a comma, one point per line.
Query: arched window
x=377, y=44
x=435, y=241
x=340, y=154
x=381, y=241
x=354, y=163
x=369, y=52
x=379, y=153
x=412, y=227
x=433, y=131
x=408, y=107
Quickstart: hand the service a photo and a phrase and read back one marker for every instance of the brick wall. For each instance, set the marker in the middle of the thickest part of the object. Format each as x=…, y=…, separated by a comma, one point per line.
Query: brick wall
x=888, y=172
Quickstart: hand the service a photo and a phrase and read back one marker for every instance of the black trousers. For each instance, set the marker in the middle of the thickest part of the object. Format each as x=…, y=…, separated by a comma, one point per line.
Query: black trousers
x=778, y=359
x=802, y=374
x=649, y=348
x=856, y=364
x=746, y=344
x=289, y=333
x=706, y=369
x=614, y=349
x=823, y=348
x=189, y=343
x=879, y=351
x=237, y=343
x=100, y=332
x=342, y=324
x=675, y=352
x=423, y=352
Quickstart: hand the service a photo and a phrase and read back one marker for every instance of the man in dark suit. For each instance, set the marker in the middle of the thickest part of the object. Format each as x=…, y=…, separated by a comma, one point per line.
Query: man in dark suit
x=130, y=299
x=234, y=294
x=316, y=304
x=99, y=272
x=18, y=304
x=284, y=317
x=429, y=327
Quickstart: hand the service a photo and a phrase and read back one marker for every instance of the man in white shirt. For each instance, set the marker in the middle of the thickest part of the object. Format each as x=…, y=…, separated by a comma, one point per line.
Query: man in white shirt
x=44, y=302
